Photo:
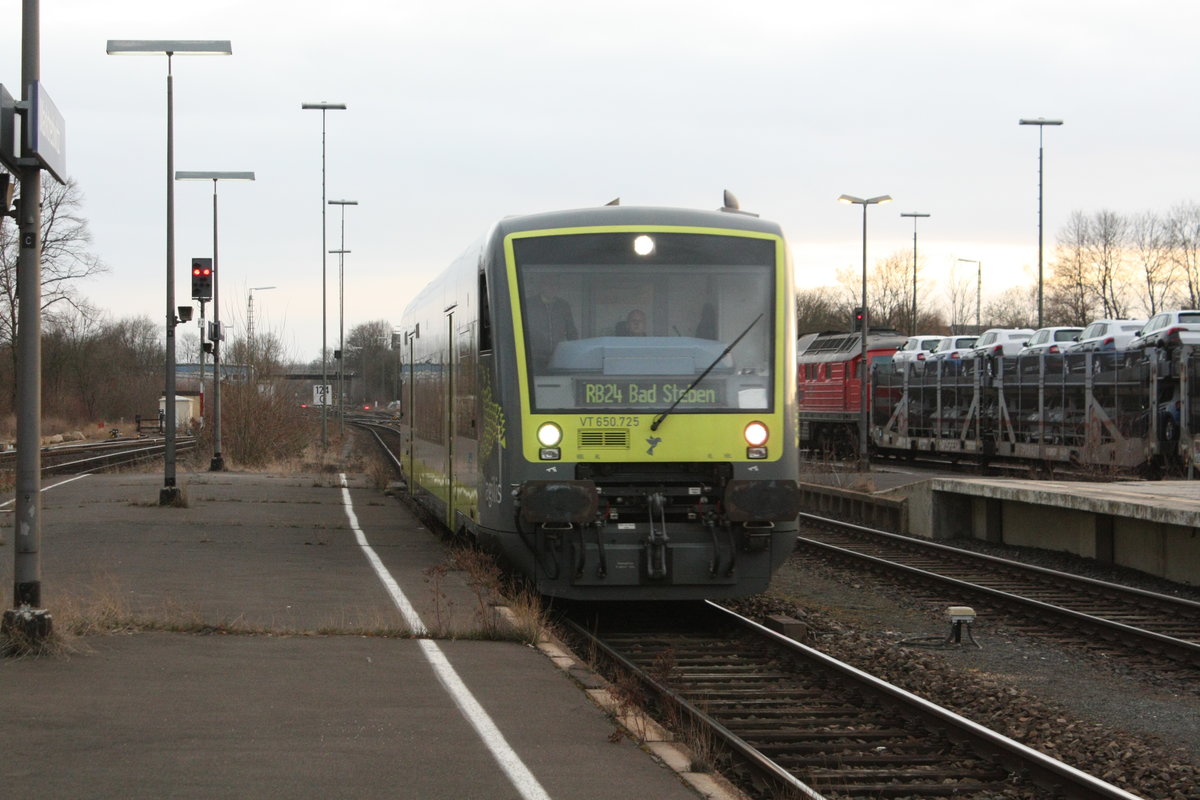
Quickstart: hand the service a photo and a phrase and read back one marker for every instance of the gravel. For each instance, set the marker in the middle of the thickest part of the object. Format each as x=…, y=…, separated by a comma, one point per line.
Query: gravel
x=1133, y=729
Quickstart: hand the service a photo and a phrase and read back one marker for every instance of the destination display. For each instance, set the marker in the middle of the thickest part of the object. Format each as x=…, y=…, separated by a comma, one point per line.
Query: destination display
x=649, y=393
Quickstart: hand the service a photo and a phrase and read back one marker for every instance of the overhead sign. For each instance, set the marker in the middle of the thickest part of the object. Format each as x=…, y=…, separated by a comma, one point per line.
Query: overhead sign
x=8, y=130
x=46, y=133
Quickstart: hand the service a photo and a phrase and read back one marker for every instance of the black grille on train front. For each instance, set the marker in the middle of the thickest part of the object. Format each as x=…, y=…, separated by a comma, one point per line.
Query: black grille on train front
x=628, y=491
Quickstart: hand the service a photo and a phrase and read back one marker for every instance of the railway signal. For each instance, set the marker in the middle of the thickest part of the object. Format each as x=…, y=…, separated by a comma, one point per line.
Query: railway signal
x=858, y=318
x=202, y=279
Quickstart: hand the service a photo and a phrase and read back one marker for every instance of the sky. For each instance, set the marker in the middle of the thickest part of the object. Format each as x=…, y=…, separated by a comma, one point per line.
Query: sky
x=462, y=112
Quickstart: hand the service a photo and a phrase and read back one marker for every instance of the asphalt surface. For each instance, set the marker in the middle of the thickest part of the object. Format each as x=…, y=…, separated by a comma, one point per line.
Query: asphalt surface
x=256, y=655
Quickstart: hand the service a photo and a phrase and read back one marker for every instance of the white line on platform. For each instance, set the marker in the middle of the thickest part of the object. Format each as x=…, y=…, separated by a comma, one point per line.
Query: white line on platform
x=51, y=486
x=522, y=779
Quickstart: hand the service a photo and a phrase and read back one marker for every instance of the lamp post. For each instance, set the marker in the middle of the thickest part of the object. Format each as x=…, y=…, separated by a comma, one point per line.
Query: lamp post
x=27, y=620
x=169, y=494
x=913, y=328
x=250, y=319
x=217, y=464
x=978, y=288
x=1041, y=125
x=863, y=416
x=341, y=254
x=323, y=107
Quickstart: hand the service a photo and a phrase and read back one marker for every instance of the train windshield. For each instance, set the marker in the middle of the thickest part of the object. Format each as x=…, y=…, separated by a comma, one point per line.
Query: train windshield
x=631, y=321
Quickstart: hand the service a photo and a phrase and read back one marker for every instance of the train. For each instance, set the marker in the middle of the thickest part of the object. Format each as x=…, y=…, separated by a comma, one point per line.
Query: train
x=1128, y=412
x=606, y=399
x=829, y=385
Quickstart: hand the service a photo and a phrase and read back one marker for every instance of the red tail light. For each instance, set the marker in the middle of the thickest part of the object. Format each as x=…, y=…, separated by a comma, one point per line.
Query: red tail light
x=955, y=354
x=998, y=350
x=920, y=356
x=1109, y=340
x=1053, y=349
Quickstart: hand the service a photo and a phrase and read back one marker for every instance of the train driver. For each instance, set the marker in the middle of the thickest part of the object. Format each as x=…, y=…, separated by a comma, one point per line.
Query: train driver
x=548, y=320
x=633, y=325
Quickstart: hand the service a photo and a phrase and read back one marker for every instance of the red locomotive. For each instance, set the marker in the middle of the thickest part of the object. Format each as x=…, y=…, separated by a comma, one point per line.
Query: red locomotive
x=829, y=388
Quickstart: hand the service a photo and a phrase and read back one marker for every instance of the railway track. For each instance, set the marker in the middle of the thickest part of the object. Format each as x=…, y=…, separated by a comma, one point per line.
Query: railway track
x=791, y=721
x=86, y=457
x=1094, y=613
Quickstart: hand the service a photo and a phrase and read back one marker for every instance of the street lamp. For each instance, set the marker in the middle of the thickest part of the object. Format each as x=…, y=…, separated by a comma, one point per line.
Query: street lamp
x=1041, y=125
x=341, y=254
x=863, y=417
x=217, y=464
x=913, y=329
x=323, y=107
x=169, y=494
x=250, y=319
x=978, y=288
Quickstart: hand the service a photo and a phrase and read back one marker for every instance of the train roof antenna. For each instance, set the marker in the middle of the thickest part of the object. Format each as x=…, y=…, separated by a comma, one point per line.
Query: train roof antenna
x=616, y=201
x=732, y=206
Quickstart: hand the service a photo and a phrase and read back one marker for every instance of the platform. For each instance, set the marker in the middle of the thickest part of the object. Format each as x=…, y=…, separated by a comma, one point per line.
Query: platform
x=1150, y=526
x=261, y=659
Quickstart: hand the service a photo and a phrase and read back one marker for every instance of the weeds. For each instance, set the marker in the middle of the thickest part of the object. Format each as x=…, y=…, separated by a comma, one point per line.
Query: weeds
x=630, y=698
x=699, y=739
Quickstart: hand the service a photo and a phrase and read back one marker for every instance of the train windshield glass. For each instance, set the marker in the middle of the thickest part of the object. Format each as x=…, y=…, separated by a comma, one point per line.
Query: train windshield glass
x=632, y=320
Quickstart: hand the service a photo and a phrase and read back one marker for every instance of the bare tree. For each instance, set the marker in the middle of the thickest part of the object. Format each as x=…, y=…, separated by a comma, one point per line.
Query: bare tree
x=66, y=259
x=889, y=290
x=1014, y=308
x=370, y=343
x=1150, y=243
x=1183, y=224
x=819, y=310
x=1069, y=294
x=960, y=299
x=1106, y=249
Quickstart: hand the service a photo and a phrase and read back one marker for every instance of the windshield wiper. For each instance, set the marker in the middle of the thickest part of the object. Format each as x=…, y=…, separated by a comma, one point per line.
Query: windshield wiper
x=659, y=419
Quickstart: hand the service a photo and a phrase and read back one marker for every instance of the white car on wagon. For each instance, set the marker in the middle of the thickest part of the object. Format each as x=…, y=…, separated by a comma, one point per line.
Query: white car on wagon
x=1001, y=342
x=1164, y=328
x=950, y=349
x=914, y=352
x=1050, y=341
x=1107, y=335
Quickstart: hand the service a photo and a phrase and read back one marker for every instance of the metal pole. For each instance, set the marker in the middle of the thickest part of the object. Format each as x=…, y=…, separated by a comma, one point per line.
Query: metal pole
x=27, y=574
x=1041, y=123
x=203, y=333
x=863, y=417
x=915, y=216
x=324, y=358
x=1041, y=129
x=323, y=107
x=912, y=331
x=217, y=464
x=342, y=328
x=169, y=494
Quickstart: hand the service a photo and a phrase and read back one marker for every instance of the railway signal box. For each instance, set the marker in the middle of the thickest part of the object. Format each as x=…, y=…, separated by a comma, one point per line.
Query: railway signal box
x=202, y=279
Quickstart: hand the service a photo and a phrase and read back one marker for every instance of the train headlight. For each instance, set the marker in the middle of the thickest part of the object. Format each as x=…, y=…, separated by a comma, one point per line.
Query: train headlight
x=549, y=434
x=643, y=245
x=756, y=434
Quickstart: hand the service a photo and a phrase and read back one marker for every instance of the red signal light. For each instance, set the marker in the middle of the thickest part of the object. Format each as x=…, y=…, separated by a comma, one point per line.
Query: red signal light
x=202, y=279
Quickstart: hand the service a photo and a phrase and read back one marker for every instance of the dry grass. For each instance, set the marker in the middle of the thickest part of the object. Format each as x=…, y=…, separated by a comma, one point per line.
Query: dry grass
x=527, y=619
x=103, y=609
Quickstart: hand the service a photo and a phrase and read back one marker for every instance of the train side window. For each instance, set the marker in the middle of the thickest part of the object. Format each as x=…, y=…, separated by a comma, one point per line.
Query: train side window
x=485, y=315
